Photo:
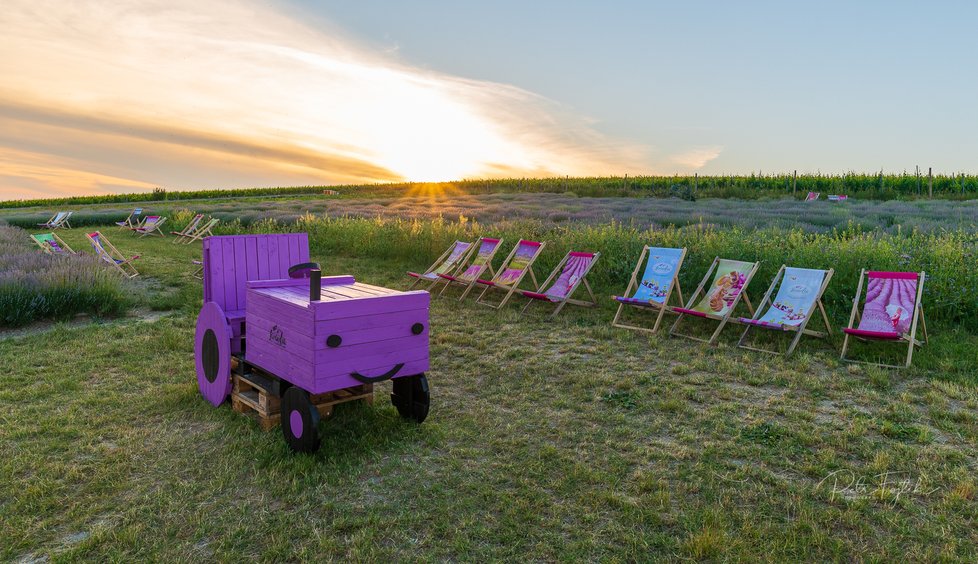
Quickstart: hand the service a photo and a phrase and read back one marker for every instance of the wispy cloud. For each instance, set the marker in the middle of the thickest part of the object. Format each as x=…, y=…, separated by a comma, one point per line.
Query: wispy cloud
x=126, y=94
x=698, y=157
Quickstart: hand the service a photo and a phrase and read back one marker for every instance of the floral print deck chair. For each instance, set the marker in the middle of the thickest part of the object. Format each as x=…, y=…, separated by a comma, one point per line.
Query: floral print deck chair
x=558, y=288
x=105, y=250
x=798, y=297
x=728, y=281
x=52, y=244
x=448, y=263
x=517, y=265
x=654, y=291
x=891, y=312
x=469, y=274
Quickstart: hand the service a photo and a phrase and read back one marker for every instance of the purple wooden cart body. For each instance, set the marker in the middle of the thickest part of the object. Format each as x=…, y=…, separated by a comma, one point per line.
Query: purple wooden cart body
x=231, y=261
x=355, y=333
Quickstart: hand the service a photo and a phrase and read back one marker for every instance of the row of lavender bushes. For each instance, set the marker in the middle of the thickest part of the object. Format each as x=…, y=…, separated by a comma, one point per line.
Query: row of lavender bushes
x=35, y=286
x=950, y=257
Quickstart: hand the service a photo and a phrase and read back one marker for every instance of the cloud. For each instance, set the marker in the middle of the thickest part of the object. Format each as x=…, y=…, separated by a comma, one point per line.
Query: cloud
x=698, y=157
x=124, y=94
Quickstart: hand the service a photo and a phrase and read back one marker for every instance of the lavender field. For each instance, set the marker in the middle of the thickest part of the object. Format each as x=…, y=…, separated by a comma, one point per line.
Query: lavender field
x=893, y=217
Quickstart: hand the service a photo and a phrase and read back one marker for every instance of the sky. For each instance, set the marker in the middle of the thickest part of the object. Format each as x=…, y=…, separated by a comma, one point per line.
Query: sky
x=103, y=96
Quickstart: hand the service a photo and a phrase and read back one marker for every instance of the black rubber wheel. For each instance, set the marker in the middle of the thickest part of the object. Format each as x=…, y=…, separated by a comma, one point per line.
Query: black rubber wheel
x=411, y=397
x=300, y=421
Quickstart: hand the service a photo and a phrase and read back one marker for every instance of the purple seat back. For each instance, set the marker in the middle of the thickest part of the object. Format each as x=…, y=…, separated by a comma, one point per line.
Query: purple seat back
x=230, y=261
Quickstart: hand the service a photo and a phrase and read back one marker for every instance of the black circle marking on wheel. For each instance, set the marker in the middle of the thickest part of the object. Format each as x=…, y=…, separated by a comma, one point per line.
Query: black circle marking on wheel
x=210, y=356
x=417, y=329
x=334, y=341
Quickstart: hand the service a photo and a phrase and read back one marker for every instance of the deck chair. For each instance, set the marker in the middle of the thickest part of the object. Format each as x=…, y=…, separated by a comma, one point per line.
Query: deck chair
x=105, y=250
x=728, y=283
x=799, y=295
x=481, y=263
x=57, y=221
x=518, y=264
x=131, y=221
x=566, y=277
x=198, y=272
x=151, y=226
x=656, y=287
x=186, y=231
x=890, y=313
x=812, y=196
x=52, y=244
x=448, y=263
x=202, y=231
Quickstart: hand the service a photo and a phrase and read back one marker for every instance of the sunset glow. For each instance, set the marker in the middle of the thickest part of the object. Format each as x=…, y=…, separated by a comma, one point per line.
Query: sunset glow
x=122, y=95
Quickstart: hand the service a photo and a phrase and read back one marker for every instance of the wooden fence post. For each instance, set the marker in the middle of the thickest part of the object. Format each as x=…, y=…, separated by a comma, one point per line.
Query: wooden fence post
x=794, y=183
x=930, y=182
x=696, y=182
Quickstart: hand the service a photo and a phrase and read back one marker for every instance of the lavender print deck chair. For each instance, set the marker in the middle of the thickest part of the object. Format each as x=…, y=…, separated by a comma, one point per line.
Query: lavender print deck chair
x=480, y=264
x=231, y=261
x=812, y=196
x=186, y=231
x=448, y=263
x=203, y=231
x=518, y=264
x=58, y=221
x=798, y=297
x=105, y=250
x=563, y=282
x=151, y=226
x=131, y=221
x=655, y=289
x=890, y=313
x=52, y=244
x=728, y=283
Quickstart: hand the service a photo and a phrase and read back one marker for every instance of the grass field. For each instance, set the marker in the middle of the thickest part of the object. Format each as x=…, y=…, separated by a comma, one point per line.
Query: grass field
x=546, y=441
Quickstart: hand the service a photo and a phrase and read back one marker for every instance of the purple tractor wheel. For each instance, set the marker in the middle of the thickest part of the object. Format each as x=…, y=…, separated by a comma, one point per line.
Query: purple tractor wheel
x=300, y=421
x=212, y=349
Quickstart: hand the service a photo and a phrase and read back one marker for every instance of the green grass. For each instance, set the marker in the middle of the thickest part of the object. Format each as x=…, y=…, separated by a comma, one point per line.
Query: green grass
x=569, y=440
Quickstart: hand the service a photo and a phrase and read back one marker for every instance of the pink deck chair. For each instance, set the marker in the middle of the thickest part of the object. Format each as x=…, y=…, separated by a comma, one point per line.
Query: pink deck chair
x=812, y=196
x=890, y=313
x=105, y=250
x=482, y=262
x=728, y=284
x=654, y=290
x=448, y=263
x=798, y=297
x=570, y=273
x=517, y=265
x=150, y=226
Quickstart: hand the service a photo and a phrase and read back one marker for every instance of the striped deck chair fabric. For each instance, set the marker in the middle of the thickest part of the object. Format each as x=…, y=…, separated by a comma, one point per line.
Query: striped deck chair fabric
x=447, y=263
x=480, y=264
x=105, y=250
x=654, y=290
x=52, y=244
x=799, y=297
x=727, y=286
x=891, y=311
x=132, y=220
x=517, y=265
x=570, y=273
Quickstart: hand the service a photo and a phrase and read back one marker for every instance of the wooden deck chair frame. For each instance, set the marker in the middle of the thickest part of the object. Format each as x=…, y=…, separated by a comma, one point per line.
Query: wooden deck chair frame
x=444, y=256
x=510, y=289
x=202, y=231
x=453, y=280
x=47, y=248
x=152, y=230
x=127, y=223
x=50, y=221
x=662, y=308
x=58, y=221
x=800, y=329
x=186, y=231
x=724, y=319
x=910, y=339
x=113, y=255
x=567, y=299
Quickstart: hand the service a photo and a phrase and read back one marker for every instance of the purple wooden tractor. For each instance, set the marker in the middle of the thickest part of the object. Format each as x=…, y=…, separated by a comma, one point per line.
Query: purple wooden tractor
x=305, y=334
